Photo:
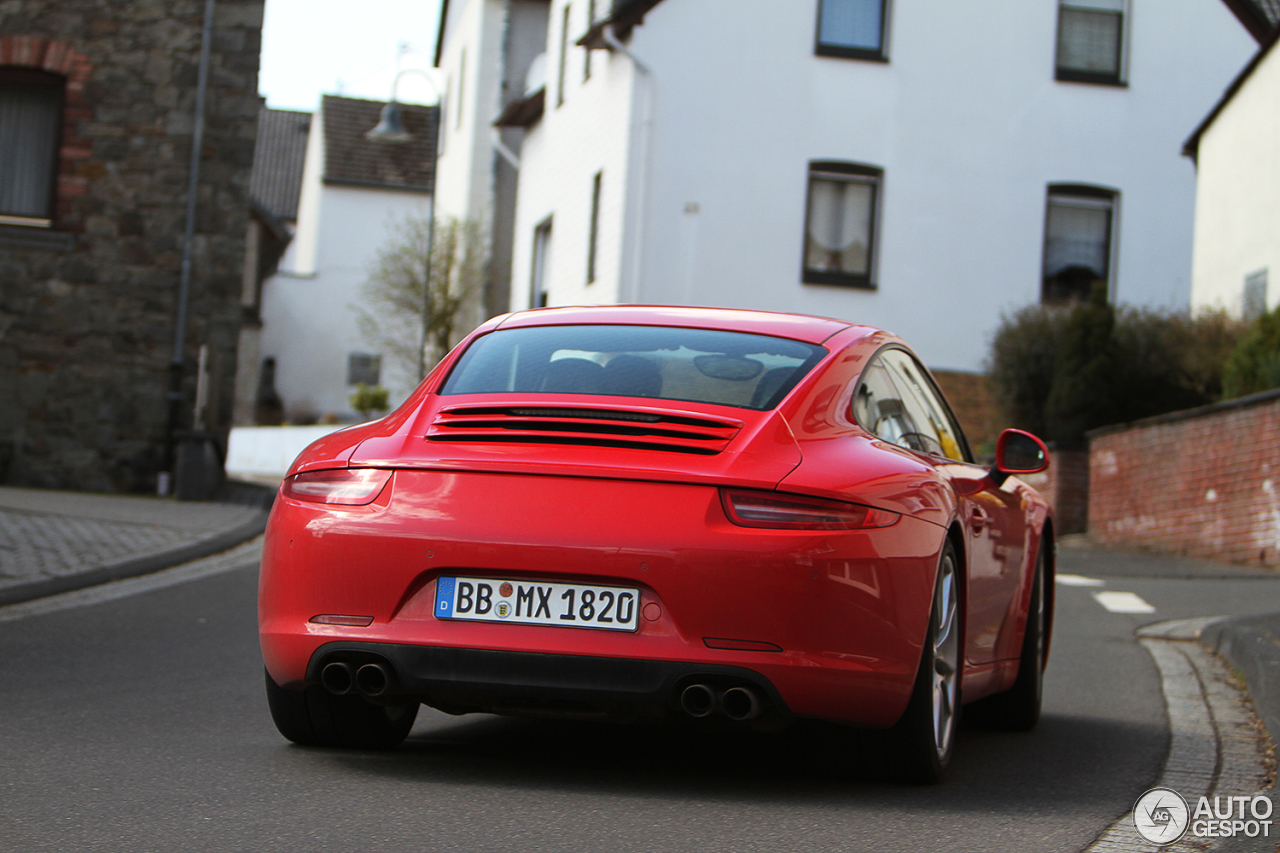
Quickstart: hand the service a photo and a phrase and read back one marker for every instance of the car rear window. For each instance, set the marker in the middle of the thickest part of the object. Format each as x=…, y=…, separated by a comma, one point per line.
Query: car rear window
x=699, y=365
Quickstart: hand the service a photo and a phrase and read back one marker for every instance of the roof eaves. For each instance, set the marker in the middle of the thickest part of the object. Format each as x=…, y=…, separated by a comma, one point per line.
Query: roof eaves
x=444, y=16
x=1191, y=148
x=523, y=112
x=1254, y=18
x=626, y=15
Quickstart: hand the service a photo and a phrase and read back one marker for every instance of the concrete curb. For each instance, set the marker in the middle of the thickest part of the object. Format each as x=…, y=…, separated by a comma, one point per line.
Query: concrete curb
x=134, y=566
x=1252, y=645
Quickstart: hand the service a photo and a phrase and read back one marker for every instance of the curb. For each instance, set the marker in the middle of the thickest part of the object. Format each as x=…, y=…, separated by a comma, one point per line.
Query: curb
x=133, y=566
x=1252, y=646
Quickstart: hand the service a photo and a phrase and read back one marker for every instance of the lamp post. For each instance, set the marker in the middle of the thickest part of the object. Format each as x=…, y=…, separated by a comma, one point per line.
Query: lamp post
x=390, y=130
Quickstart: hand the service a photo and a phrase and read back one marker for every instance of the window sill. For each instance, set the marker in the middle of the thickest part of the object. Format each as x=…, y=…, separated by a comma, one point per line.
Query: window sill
x=839, y=52
x=838, y=279
x=1066, y=75
x=28, y=237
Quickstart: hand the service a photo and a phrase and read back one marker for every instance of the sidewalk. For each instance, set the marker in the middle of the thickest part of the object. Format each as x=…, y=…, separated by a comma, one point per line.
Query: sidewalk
x=53, y=541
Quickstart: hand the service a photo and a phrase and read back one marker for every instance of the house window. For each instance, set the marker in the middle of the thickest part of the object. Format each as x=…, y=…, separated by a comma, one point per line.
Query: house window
x=30, y=127
x=595, y=228
x=541, y=254
x=564, y=54
x=1091, y=40
x=852, y=28
x=364, y=369
x=1079, y=224
x=840, y=224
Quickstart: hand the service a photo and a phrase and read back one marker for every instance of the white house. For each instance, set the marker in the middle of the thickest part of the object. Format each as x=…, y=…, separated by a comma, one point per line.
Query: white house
x=922, y=166
x=354, y=192
x=1236, y=260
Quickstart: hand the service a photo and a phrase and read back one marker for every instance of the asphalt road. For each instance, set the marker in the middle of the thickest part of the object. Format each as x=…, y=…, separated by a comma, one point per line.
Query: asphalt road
x=139, y=724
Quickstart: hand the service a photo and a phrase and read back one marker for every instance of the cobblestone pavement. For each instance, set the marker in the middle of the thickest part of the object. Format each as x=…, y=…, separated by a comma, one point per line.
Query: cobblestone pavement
x=49, y=535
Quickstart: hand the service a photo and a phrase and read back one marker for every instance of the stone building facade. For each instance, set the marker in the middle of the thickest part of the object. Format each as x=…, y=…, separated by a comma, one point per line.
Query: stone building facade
x=89, y=276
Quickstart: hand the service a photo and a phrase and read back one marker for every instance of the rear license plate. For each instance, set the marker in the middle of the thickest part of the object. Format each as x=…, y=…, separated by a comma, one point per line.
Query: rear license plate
x=571, y=605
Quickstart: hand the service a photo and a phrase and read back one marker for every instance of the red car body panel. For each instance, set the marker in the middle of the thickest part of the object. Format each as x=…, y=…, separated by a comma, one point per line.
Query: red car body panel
x=846, y=609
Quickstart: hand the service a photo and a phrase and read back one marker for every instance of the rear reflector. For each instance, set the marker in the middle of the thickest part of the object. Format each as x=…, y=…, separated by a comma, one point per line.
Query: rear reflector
x=335, y=619
x=797, y=512
x=344, y=486
x=740, y=645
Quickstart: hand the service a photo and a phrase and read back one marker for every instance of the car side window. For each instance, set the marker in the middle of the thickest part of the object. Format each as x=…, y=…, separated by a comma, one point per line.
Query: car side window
x=879, y=407
x=925, y=406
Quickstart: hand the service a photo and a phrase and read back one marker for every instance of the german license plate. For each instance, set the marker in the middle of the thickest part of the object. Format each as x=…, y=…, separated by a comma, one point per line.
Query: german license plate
x=571, y=605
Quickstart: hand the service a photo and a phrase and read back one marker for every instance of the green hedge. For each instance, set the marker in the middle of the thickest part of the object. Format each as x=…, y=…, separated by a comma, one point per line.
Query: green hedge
x=1061, y=371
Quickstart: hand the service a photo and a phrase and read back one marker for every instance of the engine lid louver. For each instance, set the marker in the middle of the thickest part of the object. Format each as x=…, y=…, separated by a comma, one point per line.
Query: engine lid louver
x=640, y=428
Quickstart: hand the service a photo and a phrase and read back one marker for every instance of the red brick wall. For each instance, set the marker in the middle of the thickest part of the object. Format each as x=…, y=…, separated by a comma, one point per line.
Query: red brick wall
x=1204, y=483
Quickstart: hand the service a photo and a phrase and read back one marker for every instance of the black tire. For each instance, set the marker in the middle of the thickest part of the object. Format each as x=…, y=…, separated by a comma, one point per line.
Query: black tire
x=315, y=717
x=1018, y=708
x=924, y=738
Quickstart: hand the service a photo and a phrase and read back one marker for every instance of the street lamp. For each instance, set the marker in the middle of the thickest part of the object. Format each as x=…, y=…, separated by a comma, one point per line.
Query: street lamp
x=390, y=130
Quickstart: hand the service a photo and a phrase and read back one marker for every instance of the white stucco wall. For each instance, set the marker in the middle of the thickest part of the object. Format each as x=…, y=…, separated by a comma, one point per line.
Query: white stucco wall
x=965, y=119
x=1237, y=230
x=590, y=132
x=470, y=61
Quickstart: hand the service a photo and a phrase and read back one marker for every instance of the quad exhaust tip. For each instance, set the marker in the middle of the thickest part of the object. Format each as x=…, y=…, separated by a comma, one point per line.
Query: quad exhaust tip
x=338, y=678
x=342, y=679
x=737, y=703
x=373, y=679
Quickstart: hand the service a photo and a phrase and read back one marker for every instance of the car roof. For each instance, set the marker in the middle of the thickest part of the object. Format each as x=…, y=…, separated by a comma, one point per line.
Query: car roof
x=797, y=327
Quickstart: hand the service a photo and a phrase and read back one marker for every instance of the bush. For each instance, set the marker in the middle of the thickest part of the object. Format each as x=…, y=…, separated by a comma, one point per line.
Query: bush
x=1254, y=365
x=1061, y=371
x=370, y=400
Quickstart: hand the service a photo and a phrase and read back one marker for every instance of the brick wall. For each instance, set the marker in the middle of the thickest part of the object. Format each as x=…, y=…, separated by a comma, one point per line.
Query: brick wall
x=87, y=305
x=1204, y=483
x=969, y=395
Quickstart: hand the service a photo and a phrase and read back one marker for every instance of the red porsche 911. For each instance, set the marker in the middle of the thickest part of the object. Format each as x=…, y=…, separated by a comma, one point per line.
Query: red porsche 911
x=633, y=512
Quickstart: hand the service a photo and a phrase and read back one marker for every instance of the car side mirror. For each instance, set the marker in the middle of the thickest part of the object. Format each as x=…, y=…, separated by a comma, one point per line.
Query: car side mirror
x=1018, y=452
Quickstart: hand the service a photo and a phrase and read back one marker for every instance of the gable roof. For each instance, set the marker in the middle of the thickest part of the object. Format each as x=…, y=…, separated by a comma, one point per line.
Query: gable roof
x=1191, y=148
x=278, y=155
x=352, y=160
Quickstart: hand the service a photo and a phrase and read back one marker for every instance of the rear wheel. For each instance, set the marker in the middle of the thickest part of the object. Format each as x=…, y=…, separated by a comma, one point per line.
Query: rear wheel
x=925, y=736
x=315, y=717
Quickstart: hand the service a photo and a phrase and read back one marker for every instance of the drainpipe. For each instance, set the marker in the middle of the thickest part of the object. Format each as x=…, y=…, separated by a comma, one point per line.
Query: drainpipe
x=642, y=169
x=184, y=278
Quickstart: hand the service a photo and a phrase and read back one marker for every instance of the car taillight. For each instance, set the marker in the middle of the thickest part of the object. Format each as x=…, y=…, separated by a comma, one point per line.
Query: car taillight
x=344, y=486
x=798, y=512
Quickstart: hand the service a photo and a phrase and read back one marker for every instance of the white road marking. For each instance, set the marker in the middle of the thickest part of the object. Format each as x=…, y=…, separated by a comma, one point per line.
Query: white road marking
x=238, y=557
x=1078, y=580
x=1123, y=602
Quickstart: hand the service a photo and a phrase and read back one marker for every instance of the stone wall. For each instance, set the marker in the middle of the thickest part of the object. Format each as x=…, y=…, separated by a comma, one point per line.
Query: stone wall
x=88, y=306
x=1065, y=485
x=1204, y=482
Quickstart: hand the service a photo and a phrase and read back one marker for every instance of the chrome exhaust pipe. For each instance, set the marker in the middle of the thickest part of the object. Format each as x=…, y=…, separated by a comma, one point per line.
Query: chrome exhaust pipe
x=741, y=704
x=373, y=679
x=697, y=700
x=338, y=678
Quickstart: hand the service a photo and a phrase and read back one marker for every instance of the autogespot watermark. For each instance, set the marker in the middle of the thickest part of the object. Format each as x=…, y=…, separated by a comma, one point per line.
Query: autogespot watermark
x=1162, y=816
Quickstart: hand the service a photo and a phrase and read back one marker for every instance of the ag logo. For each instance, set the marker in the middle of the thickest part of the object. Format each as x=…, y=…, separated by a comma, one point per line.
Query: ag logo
x=1161, y=816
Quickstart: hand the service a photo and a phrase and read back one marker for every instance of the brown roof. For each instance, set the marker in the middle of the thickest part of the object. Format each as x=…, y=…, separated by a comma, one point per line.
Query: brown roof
x=278, y=155
x=352, y=160
x=1191, y=148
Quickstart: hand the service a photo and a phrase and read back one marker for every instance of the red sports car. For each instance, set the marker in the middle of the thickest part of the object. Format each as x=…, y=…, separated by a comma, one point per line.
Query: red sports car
x=645, y=512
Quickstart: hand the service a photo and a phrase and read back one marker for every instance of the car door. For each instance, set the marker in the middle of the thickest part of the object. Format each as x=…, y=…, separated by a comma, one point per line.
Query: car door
x=990, y=515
